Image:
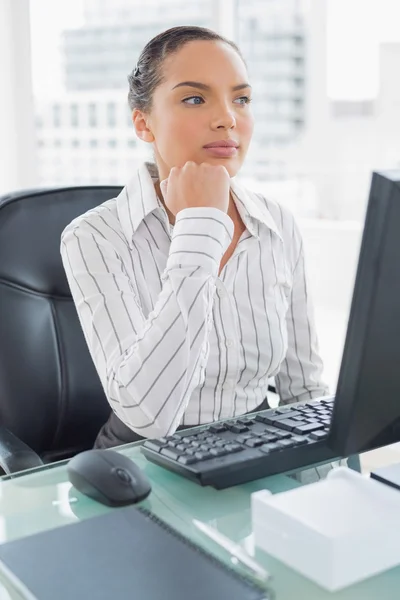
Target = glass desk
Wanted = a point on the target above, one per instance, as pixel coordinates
(43, 498)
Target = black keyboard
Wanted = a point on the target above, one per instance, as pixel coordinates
(245, 448)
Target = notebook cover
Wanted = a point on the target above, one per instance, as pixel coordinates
(125, 554)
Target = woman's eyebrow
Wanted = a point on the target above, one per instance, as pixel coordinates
(203, 86)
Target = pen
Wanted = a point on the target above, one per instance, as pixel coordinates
(234, 549)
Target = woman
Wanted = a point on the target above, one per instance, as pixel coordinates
(190, 289)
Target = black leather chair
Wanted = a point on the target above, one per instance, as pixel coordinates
(52, 404)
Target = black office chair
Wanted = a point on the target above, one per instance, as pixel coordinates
(52, 404)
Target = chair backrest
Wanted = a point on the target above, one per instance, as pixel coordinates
(50, 393)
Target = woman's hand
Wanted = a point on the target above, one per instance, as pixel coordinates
(196, 185)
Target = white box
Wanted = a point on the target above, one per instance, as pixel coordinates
(335, 532)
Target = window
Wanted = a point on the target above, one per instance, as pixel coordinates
(74, 115)
(92, 110)
(315, 131)
(318, 131)
(56, 115)
(111, 115)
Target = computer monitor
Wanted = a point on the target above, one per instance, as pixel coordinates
(366, 412)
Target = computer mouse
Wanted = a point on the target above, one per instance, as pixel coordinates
(108, 477)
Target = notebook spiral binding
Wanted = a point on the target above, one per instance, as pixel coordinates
(251, 584)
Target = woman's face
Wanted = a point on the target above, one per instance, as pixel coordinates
(203, 99)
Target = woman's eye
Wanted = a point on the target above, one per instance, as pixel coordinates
(196, 100)
(243, 100)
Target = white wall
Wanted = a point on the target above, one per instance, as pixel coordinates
(17, 129)
(331, 250)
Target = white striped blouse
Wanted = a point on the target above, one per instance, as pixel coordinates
(173, 342)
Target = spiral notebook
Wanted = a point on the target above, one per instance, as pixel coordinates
(125, 554)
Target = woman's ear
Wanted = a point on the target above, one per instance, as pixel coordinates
(140, 123)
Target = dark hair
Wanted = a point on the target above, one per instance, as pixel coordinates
(147, 73)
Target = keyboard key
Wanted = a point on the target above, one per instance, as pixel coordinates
(312, 414)
(155, 445)
(292, 414)
(205, 447)
(171, 453)
(261, 418)
(203, 455)
(283, 409)
(270, 429)
(218, 452)
(299, 440)
(217, 428)
(254, 442)
(242, 438)
(233, 448)
(319, 435)
(270, 437)
(277, 419)
(182, 447)
(282, 435)
(267, 448)
(286, 443)
(220, 443)
(187, 440)
(289, 424)
(187, 460)
(308, 428)
(238, 428)
(173, 443)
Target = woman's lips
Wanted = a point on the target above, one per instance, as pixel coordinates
(222, 151)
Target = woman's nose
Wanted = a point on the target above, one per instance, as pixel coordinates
(224, 119)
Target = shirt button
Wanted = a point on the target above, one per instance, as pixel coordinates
(230, 343)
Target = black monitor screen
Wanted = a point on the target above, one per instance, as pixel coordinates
(367, 406)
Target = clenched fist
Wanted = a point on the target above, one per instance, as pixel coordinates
(196, 185)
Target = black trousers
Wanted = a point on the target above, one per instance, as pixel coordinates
(115, 433)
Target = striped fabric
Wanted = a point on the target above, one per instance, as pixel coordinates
(173, 342)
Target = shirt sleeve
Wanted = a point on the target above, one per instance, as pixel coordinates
(148, 366)
(300, 376)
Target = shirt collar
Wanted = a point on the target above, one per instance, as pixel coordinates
(138, 199)
(252, 207)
